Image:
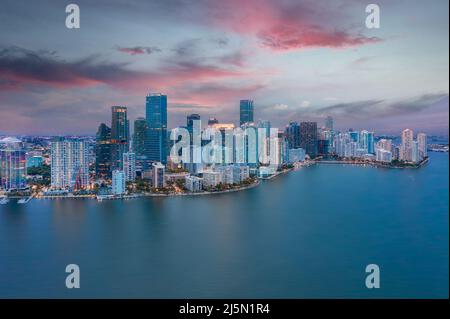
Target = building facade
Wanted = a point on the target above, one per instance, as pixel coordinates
(12, 169)
(246, 111)
(156, 116)
(308, 138)
(69, 164)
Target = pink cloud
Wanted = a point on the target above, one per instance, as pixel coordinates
(281, 25)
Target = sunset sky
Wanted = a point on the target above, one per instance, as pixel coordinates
(297, 59)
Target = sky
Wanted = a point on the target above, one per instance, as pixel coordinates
(299, 60)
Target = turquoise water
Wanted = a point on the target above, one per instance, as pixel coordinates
(306, 234)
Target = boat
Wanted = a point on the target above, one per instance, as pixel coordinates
(4, 201)
(24, 200)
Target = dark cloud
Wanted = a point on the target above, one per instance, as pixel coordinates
(381, 108)
(138, 50)
(21, 67)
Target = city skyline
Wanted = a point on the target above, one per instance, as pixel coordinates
(298, 60)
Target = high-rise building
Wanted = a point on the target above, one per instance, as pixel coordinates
(193, 183)
(370, 143)
(308, 137)
(329, 123)
(422, 141)
(70, 164)
(158, 178)
(129, 166)
(156, 115)
(415, 152)
(246, 111)
(293, 135)
(383, 155)
(190, 121)
(139, 135)
(118, 182)
(211, 178)
(103, 151)
(194, 150)
(212, 121)
(407, 144)
(120, 134)
(384, 144)
(13, 167)
(354, 135)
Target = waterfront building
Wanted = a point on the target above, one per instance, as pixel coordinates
(415, 157)
(211, 178)
(69, 164)
(139, 135)
(266, 171)
(383, 155)
(158, 176)
(230, 174)
(193, 120)
(156, 115)
(406, 146)
(370, 143)
(193, 183)
(244, 172)
(120, 133)
(422, 140)
(293, 135)
(13, 166)
(129, 166)
(118, 182)
(308, 138)
(296, 155)
(396, 153)
(323, 146)
(246, 111)
(103, 151)
(35, 161)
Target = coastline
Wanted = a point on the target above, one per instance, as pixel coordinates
(297, 166)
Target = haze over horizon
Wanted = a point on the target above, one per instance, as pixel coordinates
(298, 60)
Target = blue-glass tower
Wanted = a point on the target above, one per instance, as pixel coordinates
(156, 116)
(246, 111)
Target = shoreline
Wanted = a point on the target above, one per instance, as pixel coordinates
(203, 193)
(373, 164)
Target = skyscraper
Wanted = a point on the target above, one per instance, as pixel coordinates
(129, 166)
(190, 121)
(329, 123)
(103, 151)
(293, 135)
(212, 121)
(156, 115)
(308, 137)
(422, 141)
(140, 132)
(246, 111)
(13, 167)
(407, 144)
(70, 164)
(120, 133)
(415, 152)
